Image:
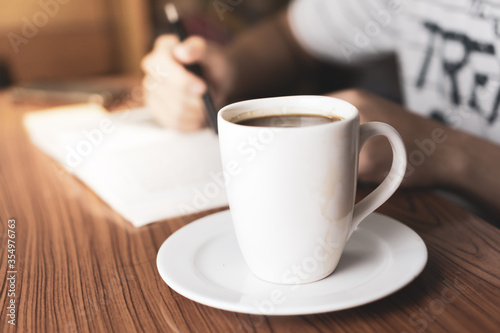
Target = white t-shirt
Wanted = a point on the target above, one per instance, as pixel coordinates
(448, 51)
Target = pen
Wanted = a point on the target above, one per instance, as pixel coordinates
(178, 28)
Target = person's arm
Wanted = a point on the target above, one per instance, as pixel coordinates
(476, 173)
(267, 58)
(438, 156)
(258, 62)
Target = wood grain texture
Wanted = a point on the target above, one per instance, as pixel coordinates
(83, 268)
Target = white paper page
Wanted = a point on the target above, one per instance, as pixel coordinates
(145, 172)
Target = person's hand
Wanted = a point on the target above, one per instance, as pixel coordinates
(172, 93)
(425, 141)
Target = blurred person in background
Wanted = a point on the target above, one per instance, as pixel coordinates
(449, 70)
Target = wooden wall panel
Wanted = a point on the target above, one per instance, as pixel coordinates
(60, 53)
(72, 38)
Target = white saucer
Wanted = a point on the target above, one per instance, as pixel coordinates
(202, 262)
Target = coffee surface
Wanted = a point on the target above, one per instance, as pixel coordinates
(289, 120)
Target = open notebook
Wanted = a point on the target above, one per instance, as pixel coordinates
(145, 172)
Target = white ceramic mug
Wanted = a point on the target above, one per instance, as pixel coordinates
(291, 191)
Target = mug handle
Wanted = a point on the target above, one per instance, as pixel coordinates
(390, 184)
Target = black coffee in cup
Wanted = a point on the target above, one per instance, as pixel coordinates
(289, 120)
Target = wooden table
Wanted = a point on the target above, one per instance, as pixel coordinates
(82, 268)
